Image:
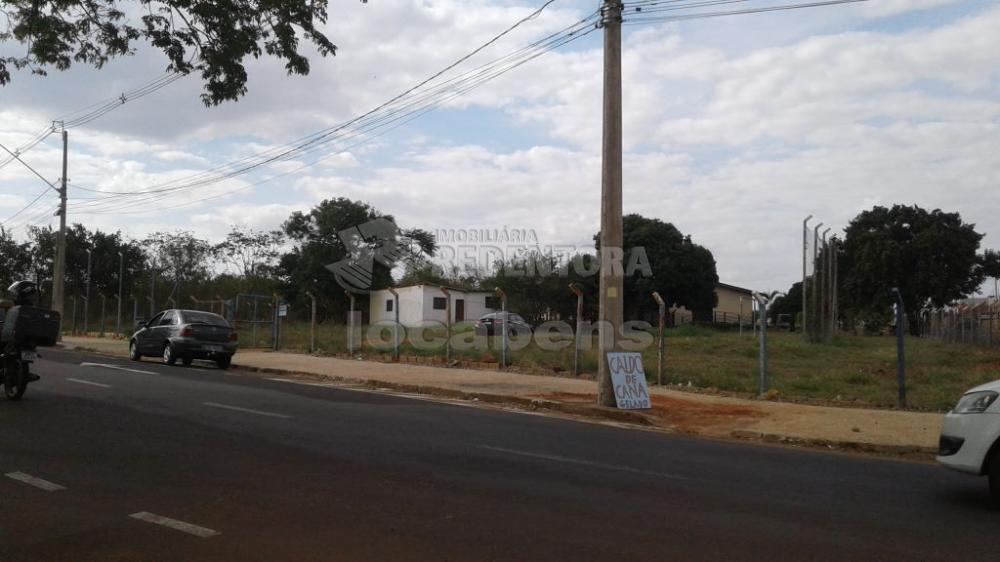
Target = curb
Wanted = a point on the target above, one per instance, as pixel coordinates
(597, 412)
(901, 451)
(912, 452)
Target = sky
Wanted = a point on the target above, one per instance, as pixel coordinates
(735, 128)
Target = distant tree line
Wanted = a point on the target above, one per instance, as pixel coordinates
(176, 268)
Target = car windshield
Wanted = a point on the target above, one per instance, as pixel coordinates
(195, 317)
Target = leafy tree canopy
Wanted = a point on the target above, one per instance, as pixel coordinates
(683, 272)
(931, 256)
(212, 37)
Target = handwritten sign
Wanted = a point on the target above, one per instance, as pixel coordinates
(629, 380)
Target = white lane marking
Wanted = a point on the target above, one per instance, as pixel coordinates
(36, 482)
(81, 381)
(117, 368)
(188, 528)
(584, 462)
(245, 410)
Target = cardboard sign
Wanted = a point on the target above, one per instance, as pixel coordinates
(629, 380)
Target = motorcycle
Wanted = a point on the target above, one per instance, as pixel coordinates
(24, 328)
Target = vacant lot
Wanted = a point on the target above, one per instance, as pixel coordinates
(854, 370)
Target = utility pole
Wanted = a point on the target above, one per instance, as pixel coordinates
(59, 267)
(805, 250)
(610, 297)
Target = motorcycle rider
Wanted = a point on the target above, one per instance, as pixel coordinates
(25, 293)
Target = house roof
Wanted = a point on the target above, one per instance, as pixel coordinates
(450, 288)
(733, 288)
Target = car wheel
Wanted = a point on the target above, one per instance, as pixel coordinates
(187, 361)
(133, 351)
(994, 475)
(224, 362)
(168, 355)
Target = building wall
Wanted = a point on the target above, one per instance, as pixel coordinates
(416, 305)
(410, 306)
(728, 307)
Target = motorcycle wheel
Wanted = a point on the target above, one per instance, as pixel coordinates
(15, 380)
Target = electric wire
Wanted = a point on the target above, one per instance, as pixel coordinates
(378, 117)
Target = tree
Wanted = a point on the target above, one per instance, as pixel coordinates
(252, 254)
(15, 260)
(683, 273)
(930, 256)
(790, 304)
(991, 263)
(317, 242)
(212, 37)
(181, 256)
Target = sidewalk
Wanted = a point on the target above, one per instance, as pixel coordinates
(883, 431)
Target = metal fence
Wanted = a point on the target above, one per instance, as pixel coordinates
(977, 324)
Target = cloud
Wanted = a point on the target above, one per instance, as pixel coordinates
(733, 132)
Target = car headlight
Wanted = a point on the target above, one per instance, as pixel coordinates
(975, 402)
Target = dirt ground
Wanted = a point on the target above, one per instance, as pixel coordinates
(685, 415)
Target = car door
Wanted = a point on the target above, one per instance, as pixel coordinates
(145, 336)
(163, 331)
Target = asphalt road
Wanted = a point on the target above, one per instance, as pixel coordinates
(245, 468)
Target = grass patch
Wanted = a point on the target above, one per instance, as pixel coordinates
(859, 370)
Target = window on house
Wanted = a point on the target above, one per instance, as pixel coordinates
(493, 303)
(388, 306)
(440, 303)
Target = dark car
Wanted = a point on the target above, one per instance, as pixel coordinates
(487, 325)
(185, 335)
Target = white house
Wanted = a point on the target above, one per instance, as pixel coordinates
(423, 303)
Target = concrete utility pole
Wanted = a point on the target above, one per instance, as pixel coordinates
(611, 283)
(59, 267)
(805, 273)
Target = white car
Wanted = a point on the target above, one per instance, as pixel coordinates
(970, 436)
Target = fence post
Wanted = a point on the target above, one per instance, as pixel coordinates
(447, 325)
(350, 323)
(312, 323)
(741, 316)
(900, 350)
(503, 309)
(104, 302)
(575, 288)
(659, 350)
(761, 301)
(395, 324)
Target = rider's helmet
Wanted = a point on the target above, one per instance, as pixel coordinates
(24, 293)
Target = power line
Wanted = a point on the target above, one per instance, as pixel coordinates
(640, 19)
(97, 110)
(383, 114)
(26, 207)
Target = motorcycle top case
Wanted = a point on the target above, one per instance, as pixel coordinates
(30, 326)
